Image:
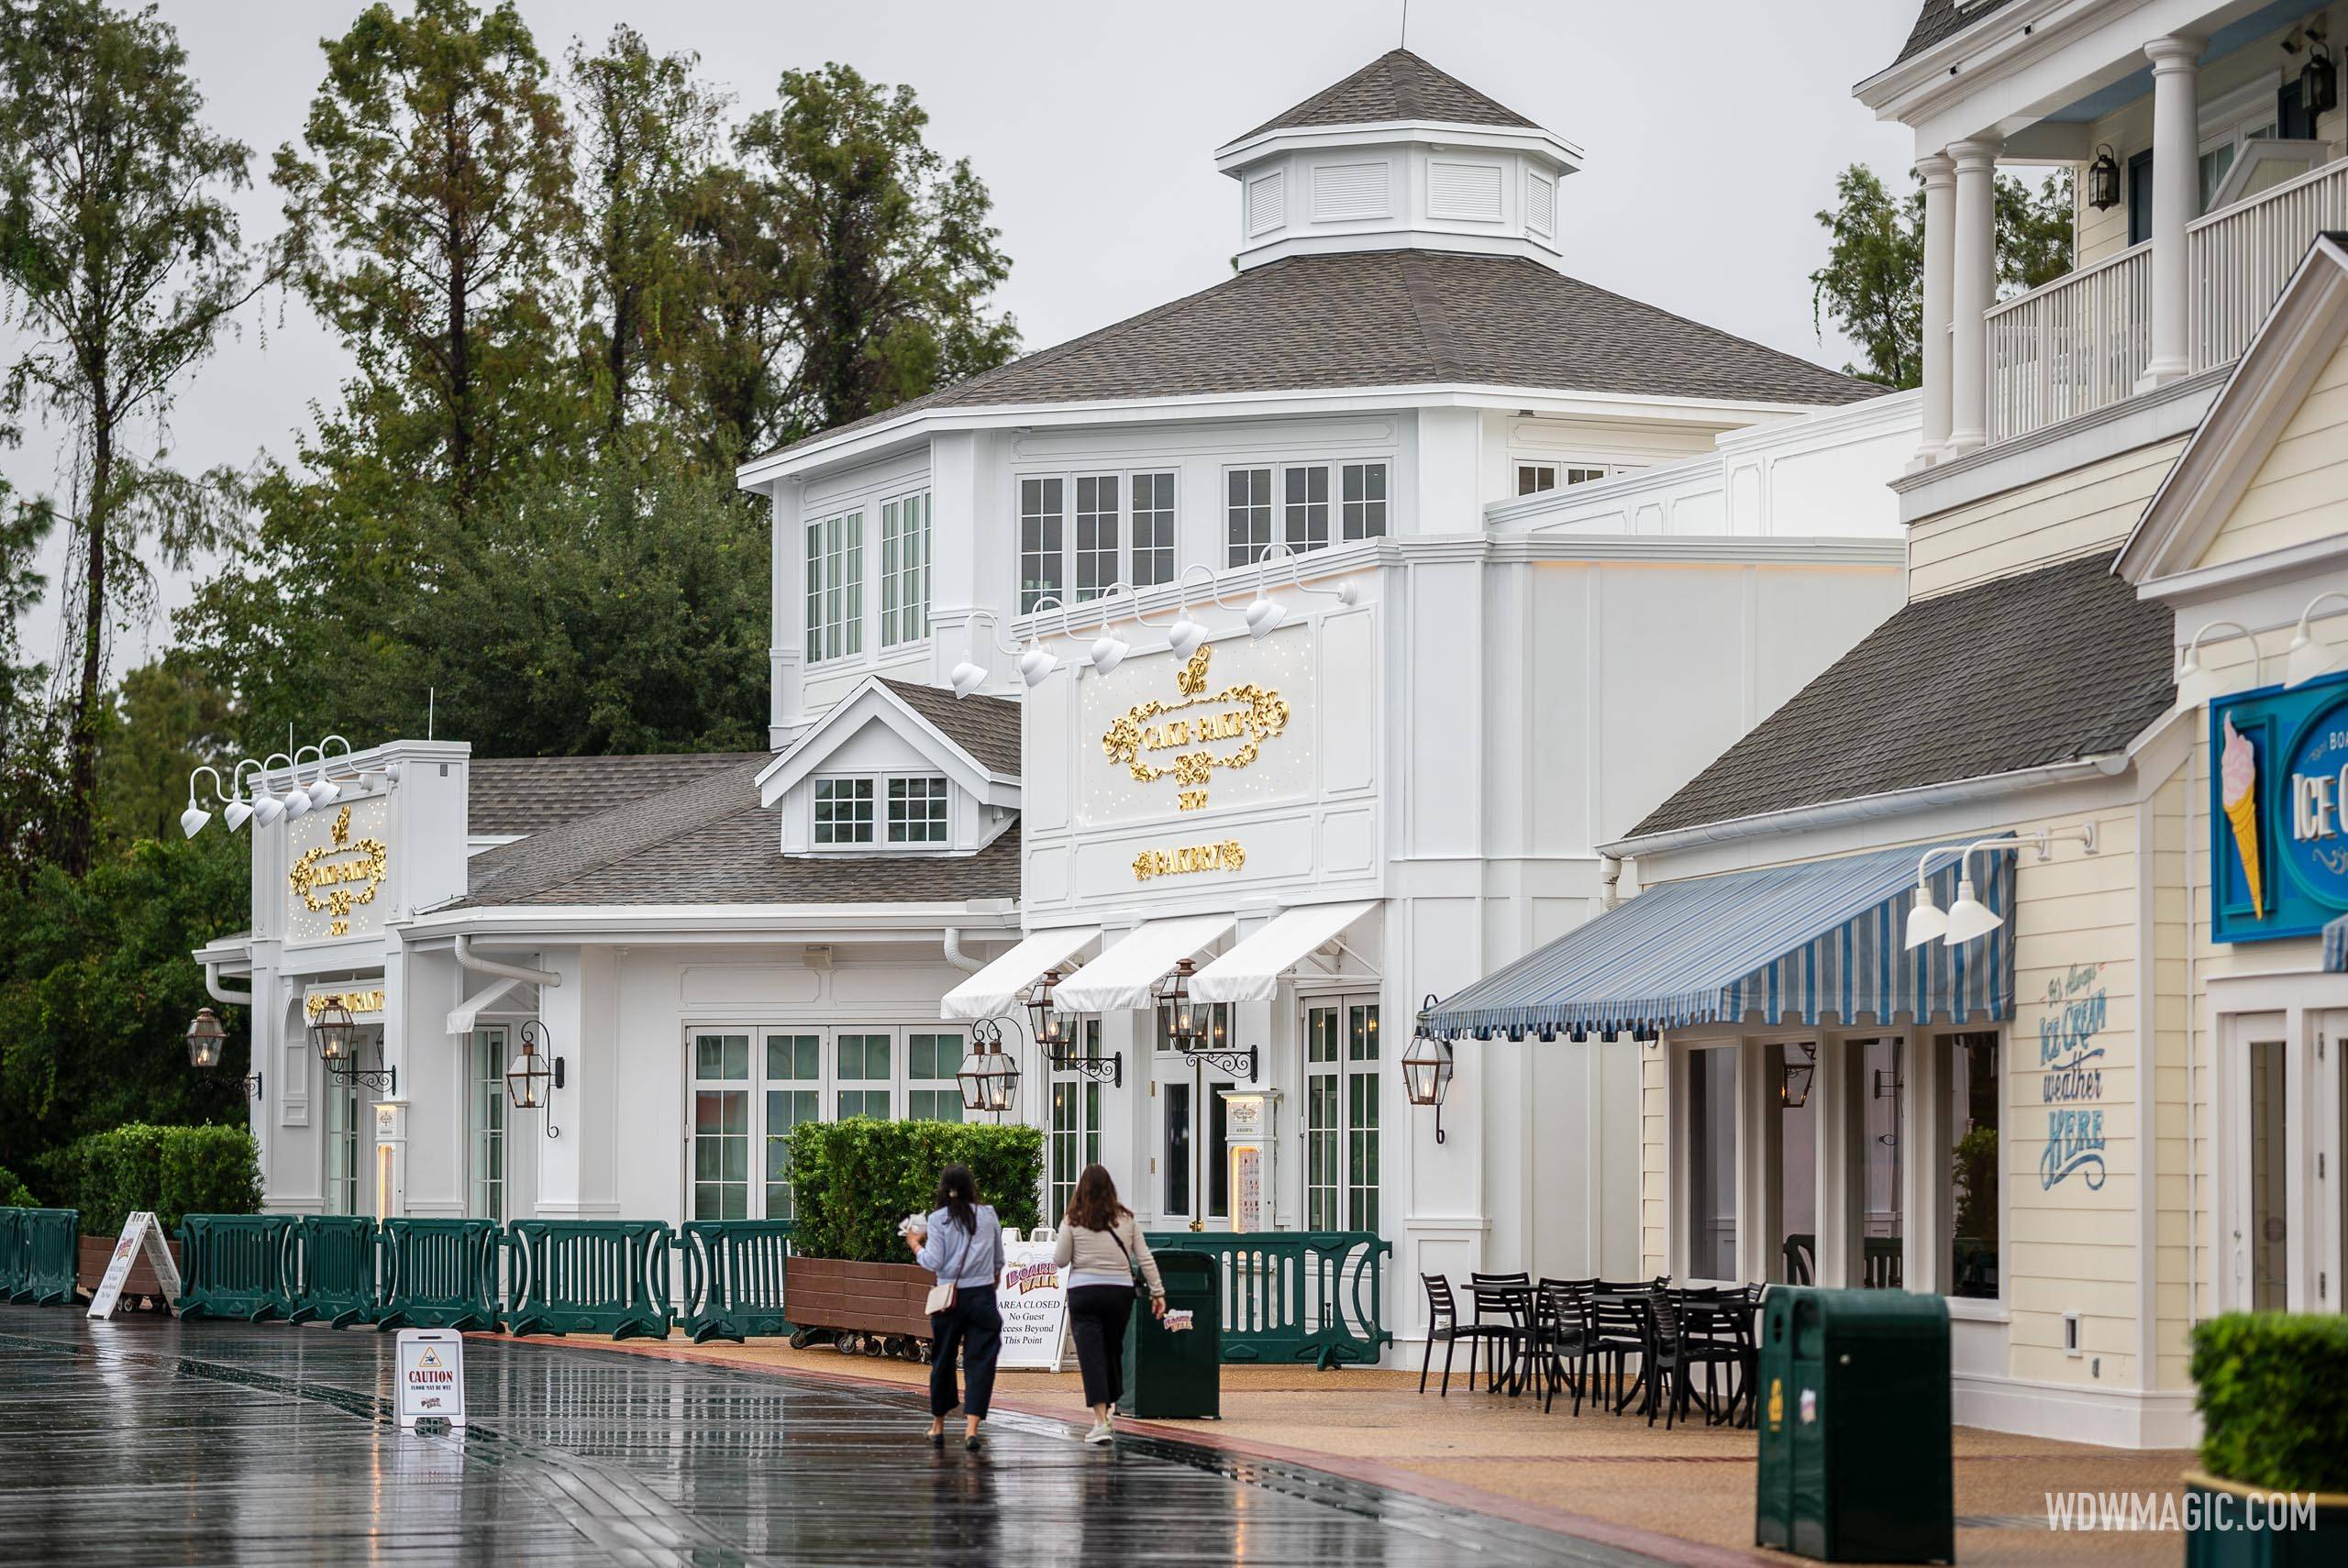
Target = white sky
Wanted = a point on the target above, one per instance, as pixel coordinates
(1713, 130)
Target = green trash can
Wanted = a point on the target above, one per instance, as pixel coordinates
(1170, 1374)
(1855, 1457)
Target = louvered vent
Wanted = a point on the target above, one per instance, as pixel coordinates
(1464, 190)
(1540, 204)
(1349, 191)
(1267, 202)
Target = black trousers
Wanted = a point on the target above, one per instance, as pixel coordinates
(974, 1327)
(1098, 1314)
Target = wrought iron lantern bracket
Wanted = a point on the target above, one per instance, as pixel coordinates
(1233, 1061)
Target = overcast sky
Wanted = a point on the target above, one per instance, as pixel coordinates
(1712, 130)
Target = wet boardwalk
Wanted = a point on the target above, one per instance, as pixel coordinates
(146, 1441)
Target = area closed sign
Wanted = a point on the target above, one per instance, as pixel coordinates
(431, 1375)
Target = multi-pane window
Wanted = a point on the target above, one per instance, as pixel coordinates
(843, 810)
(1532, 478)
(1583, 476)
(1304, 509)
(1247, 514)
(721, 1126)
(1042, 503)
(1073, 1140)
(1096, 535)
(485, 1123)
(794, 1069)
(1341, 1117)
(904, 570)
(1178, 1147)
(1363, 487)
(1362, 1084)
(835, 588)
(1152, 529)
(916, 811)
(861, 1064)
(931, 1061)
(342, 1145)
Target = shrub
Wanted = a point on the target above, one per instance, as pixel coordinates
(15, 1194)
(208, 1170)
(174, 1171)
(854, 1180)
(2273, 1390)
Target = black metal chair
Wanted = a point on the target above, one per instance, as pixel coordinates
(1443, 1324)
(1708, 1329)
(1616, 1330)
(1880, 1267)
(1799, 1250)
(1561, 1328)
(1505, 1304)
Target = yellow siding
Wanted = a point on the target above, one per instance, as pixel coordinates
(2081, 512)
(2300, 491)
(1651, 1157)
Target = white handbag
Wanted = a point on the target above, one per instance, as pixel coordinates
(940, 1299)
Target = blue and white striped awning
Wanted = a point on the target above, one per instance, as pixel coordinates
(2335, 946)
(1820, 941)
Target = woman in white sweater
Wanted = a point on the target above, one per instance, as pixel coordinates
(1101, 1246)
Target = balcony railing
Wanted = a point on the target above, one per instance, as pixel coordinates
(2082, 342)
(2071, 346)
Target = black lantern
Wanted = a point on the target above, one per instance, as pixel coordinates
(204, 1038)
(2318, 84)
(1051, 1027)
(1793, 1077)
(988, 1078)
(1186, 1021)
(1427, 1066)
(2103, 181)
(333, 1032)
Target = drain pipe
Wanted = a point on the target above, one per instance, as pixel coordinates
(1610, 877)
(220, 993)
(465, 960)
(956, 956)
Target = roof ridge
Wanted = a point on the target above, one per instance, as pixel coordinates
(1434, 317)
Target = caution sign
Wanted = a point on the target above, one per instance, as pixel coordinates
(431, 1377)
(140, 1233)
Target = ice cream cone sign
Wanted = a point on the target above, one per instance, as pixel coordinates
(2238, 792)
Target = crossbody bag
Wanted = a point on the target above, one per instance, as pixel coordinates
(1141, 1280)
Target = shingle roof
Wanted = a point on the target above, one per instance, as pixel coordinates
(1397, 85)
(986, 727)
(710, 841)
(1398, 318)
(1945, 19)
(2056, 665)
(510, 796)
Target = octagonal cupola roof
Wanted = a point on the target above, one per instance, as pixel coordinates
(1398, 156)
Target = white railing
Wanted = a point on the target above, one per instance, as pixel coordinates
(2242, 255)
(2071, 346)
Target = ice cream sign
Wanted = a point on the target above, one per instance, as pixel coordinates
(2279, 810)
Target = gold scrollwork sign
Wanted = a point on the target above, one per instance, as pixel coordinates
(1228, 855)
(359, 1004)
(334, 879)
(1189, 728)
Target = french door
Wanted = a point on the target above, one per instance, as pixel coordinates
(2287, 1223)
(1344, 1091)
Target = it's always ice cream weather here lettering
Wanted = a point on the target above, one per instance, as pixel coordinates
(2076, 1009)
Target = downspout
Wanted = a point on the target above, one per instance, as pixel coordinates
(465, 960)
(1610, 877)
(956, 956)
(219, 993)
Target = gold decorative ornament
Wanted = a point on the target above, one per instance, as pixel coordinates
(1228, 855)
(1190, 726)
(335, 888)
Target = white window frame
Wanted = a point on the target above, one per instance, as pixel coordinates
(2226, 123)
(905, 565)
(1074, 1113)
(1049, 546)
(1078, 566)
(869, 799)
(1336, 527)
(1093, 565)
(489, 1124)
(936, 790)
(1169, 551)
(834, 588)
(1347, 1075)
(881, 785)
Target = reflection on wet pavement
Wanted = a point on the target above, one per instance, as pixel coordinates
(146, 1441)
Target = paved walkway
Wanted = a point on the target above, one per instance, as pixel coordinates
(148, 1440)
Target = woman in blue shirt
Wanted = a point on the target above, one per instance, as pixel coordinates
(961, 1243)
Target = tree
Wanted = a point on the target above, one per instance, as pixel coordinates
(165, 720)
(429, 218)
(1872, 287)
(121, 256)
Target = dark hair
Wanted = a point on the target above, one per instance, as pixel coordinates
(957, 1194)
(1095, 1205)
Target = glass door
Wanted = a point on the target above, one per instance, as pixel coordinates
(1344, 1106)
(485, 1123)
(1073, 1138)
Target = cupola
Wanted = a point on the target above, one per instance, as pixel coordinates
(1399, 155)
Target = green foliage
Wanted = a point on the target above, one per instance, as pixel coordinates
(2035, 227)
(854, 1180)
(174, 1171)
(1973, 1173)
(2273, 1392)
(164, 721)
(14, 1193)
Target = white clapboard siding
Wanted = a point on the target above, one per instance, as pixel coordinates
(2300, 491)
(2078, 511)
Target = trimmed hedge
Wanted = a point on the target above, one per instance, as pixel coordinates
(2273, 1391)
(852, 1181)
(175, 1171)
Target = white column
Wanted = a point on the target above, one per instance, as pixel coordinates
(1940, 261)
(2176, 198)
(1973, 279)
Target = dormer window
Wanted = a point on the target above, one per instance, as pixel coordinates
(917, 811)
(843, 810)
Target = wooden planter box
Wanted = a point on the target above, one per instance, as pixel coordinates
(98, 1251)
(865, 1298)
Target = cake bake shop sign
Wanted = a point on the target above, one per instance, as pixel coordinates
(1201, 729)
(336, 874)
(1165, 741)
(2278, 810)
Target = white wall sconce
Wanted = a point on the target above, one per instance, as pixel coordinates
(1967, 917)
(2195, 685)
(2308, 658)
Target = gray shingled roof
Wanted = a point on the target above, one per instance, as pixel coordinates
(510, 796)
(1945, 19)
(986, 727)
(2053, 666)
(1398, 318)
(710, 841)
(1397, 85)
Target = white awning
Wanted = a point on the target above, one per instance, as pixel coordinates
(995, 990)
(1122, 977)
(460, 1021)
(1252, 970)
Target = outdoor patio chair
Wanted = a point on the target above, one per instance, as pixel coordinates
(1616, 1331)
(1706, 1331)
(1561, 1328)
(1444, 1325)
(1504, 1303)
(1799, 1250)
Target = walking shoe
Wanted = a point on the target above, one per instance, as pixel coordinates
(1100, 1432)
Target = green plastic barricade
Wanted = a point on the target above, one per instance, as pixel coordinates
(12, 1261)
(438, 1274)
(334, 1277)
(48, 1256)
(234, 1265)
(734, 1271)
(1316, 1296)
(589, 1276)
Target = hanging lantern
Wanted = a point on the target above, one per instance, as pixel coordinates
(2103, 181)
(1186, 1019)
(988, 1078)
(334, 1032)
(530, 1073)
(204, 1038)
(1052, 1027)
(1794, 1078)
(2318, 84)
(1427, 1066)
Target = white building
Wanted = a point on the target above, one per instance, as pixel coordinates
(1545, 550)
